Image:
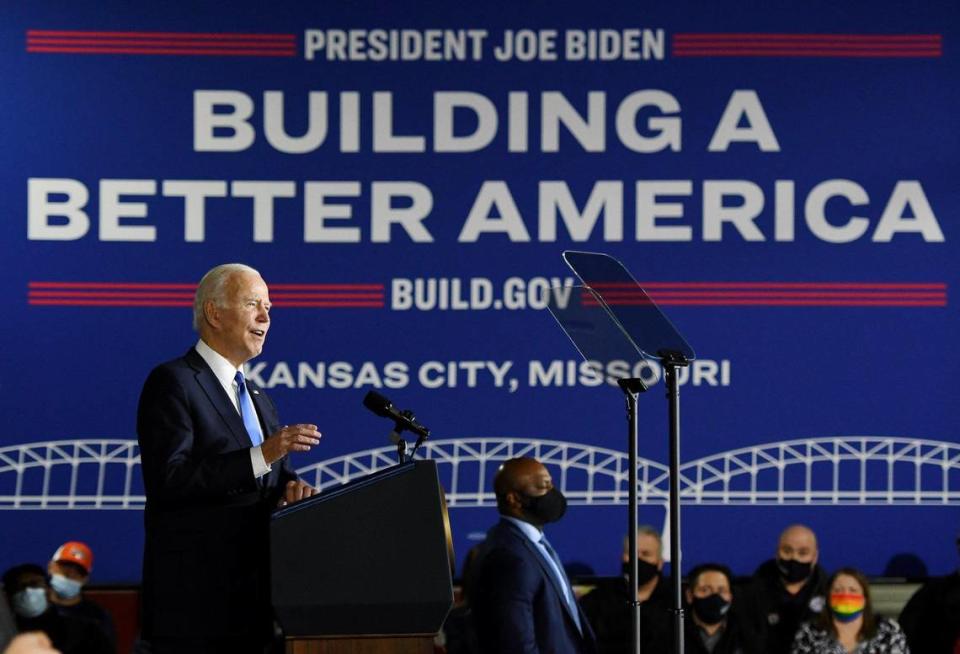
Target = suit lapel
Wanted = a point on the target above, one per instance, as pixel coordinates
(219, 399)
(547, 571)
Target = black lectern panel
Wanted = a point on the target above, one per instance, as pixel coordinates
(368, 558)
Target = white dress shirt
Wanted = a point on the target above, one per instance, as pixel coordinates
(225, 372)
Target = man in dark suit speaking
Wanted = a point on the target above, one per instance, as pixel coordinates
(214, 460)
(523, 601)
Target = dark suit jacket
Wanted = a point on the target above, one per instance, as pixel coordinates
(518, 603)
(206, 555)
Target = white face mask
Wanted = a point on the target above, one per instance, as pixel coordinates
(64, 586)
(30, 602)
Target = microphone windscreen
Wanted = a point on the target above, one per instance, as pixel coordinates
(377, 403)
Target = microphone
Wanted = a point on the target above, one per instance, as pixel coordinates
(404, 420)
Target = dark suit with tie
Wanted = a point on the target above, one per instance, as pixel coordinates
(206, 556)
(519, 604)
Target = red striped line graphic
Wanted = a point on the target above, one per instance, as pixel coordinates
(152, 294)
(372, 295)
(824, 294)
(807, 45)
(162, 43)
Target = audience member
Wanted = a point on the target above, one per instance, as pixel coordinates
(850, 624)
(931, 618)
(784, 592)
(26, 587)
(523, 600)
(69, 571)
(711, 627)
(608, 606)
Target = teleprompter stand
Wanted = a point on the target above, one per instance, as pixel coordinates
(611, 319)
(364, 568)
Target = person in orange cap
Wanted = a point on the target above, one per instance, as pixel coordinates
(69, 571)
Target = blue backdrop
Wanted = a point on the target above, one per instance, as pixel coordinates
(781, 177)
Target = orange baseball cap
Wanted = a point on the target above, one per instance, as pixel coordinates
(75, 552)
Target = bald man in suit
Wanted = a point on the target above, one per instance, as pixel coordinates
(523, 602)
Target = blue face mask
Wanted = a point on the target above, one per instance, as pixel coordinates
(65, 587)
(30, 602)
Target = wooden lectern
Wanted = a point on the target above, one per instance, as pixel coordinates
(365, 568)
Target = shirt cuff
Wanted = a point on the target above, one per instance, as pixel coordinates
(260, 467)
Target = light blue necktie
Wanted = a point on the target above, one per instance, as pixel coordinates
(247, 412)
(564, 582)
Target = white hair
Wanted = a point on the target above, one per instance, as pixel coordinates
(211, 288)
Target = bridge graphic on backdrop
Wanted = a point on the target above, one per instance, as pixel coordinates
(849, 470)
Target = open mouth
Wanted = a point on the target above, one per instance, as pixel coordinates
(258, 332)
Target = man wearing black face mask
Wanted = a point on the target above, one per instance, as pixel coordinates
(785, 592)
(608, 606)
(523, 601)
(712, 627)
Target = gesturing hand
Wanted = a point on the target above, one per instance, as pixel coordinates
(289, 438)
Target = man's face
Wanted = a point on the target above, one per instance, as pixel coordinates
(68, 570)
(710, 582)
(798, 545)
(536, 481)
(648, 549)
(28, 580)
(240, 325)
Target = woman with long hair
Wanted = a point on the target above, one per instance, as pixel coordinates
(849, 625)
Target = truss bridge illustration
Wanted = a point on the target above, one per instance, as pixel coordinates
(840, 470)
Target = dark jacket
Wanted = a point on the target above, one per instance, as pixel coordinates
(769, 615)
(205, 559)
(89, 610)
(518, 604)
(732, 639)
(608, 609)
(931, 618)
(69, 634)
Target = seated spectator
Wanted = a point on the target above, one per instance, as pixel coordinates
(711, 627)
(70, 570)
(784, 592)
(931, 618)
(26, 588)
(849, 625)
(608, 606)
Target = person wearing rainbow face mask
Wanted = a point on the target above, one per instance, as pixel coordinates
(849, 625)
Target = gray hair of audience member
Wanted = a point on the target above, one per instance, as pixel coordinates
(643, 530)
(211, 287)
